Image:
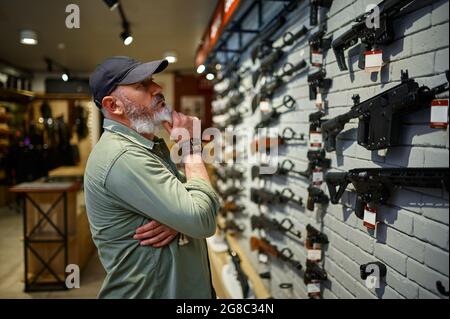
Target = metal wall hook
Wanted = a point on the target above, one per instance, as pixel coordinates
(440, 287)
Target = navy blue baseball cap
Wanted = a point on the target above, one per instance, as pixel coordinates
(120, 70)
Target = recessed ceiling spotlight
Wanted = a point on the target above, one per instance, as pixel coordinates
(112, 4)
(28, 37)
(201, 68)
(171, 57)
(126, 37)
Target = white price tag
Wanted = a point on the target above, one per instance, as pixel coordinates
(317, 177)
(262, 258)
(370, 217)
(314, 254)
(315, 140)
(319, 101)
(265, 106)
(439, 114)
(374, 61)
(313, 288)
(317, 58)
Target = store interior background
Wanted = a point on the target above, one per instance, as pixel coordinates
(31, 77)
(48, 127)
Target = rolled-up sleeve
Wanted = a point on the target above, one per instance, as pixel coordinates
(147, 185)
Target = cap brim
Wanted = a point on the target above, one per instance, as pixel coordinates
(144, 71)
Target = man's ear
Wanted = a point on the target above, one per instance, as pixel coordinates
(112, 105)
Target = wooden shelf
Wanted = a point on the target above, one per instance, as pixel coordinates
(62, 96)
(218, 260)
(16, 95)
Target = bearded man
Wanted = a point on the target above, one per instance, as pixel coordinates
(148, 221)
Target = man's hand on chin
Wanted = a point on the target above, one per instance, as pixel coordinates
(155, 234)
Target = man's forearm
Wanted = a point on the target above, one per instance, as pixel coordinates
(195, 168)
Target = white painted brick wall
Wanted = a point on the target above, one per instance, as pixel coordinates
(412, 239)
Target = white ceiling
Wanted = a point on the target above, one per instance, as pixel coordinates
(157, 26)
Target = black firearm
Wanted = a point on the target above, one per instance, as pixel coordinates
(264, 246)
(315, 121)
(287, 135)
(316, 196)
(267, 224)
(234, 83)
(268, 63)
(374, 186)
(231, 206)
(314, 236)
(231, 68)
(235, 100)
(265, 44)
(231, 191)
(274, 115)
(226, 173)
(241, 275)
(381, 268)
(370, 33)
(315, 159)
(379, 117)
(314, 9)
(269, 88)
(318, 44)
(318, 83)
(314, 272)
(232, 227)
(263, 196)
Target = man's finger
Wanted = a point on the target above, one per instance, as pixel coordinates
(175, 118)
(156, 239)
(149, 226)
(151, 233)
(165, 242)
(167, 126)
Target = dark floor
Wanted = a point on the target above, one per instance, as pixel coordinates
(12, 267)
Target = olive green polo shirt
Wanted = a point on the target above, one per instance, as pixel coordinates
(128, 182)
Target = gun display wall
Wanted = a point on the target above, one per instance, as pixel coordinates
(347, 107)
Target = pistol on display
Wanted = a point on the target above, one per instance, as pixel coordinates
(316, 196)
(314, 236)
(318, 83)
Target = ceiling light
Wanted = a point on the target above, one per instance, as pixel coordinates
(65, 76)
(28, 37)
(210, 76)
(201, 68)
(218, 66)
(112, 4)
(171, 57)
(126, 37)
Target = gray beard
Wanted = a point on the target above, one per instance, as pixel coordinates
(142, 122)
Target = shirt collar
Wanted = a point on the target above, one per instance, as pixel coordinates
(128, 133)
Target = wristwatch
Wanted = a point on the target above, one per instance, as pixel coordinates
(195, 145)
